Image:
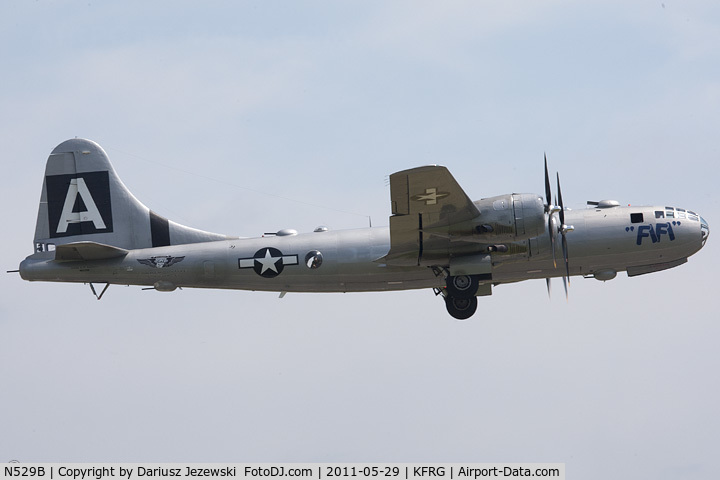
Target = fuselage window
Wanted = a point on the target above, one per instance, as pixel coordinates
(313, 259)
(636, 217)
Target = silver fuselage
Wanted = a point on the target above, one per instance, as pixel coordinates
(605, 241)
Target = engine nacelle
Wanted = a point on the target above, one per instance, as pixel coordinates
(511, 217)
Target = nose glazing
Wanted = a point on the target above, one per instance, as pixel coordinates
(704, 230)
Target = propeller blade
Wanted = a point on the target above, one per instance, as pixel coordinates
(548, 195)
(563, 230)
(547, 282)
(560, 202)
(566, 278)
(565, 255)
(551, 231)
(549, 210)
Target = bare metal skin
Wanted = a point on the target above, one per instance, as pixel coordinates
(91, 229)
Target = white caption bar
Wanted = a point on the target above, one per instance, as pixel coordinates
(267, 471)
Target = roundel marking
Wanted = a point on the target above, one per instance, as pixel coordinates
(268, 262)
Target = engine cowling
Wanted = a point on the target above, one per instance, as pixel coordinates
(511, 217)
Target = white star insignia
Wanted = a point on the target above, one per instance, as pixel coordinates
(268, 262)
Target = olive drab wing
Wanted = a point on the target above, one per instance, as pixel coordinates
(429, 208)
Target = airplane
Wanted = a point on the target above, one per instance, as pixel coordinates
(90, 229)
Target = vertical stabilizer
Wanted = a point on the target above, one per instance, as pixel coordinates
(83, 199)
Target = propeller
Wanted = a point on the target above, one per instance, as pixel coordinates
(550, 209)
(562, 229)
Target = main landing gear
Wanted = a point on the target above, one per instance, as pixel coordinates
(461, 308)
(462, 286)
(460, 299)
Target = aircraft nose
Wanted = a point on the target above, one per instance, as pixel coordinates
(704, 230)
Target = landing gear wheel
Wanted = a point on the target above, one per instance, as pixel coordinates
(462, 286)
(461, 308)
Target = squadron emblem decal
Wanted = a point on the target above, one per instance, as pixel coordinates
(160, 262)
(268, 262)
(430, 197)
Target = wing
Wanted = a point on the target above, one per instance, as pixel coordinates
(429, 207)
(430, 190)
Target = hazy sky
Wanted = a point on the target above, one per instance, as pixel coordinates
(201, 106)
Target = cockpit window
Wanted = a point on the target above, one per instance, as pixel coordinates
(659, 214)
(636, 217)
(672, 212)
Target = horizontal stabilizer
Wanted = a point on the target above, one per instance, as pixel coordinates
(70, 252)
